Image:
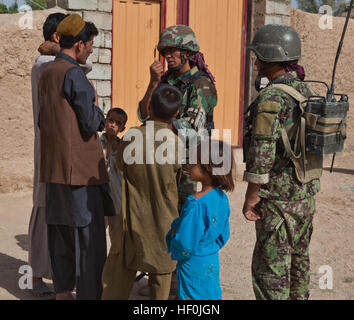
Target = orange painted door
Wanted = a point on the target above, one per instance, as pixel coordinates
(136, 29)
(218, 27)
(171, 12)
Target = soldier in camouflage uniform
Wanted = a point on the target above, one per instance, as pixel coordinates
(282, 207)
(188, 72)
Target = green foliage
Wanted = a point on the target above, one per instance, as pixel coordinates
(308, 5)
(3, 8)
(312, 6)
(42, 3)
(13, 8)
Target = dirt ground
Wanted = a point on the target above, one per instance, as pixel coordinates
(332, 242)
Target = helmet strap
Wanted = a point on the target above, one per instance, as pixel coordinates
(261, 73)
(258, 80)
(184, 59)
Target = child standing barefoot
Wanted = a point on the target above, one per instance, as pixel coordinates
(203, 229)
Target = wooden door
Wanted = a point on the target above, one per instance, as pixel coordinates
(136, 29)
(218, 27)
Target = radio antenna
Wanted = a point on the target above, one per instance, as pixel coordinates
(331, 92)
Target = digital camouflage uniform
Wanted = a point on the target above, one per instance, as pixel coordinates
(280, 264)
(199, 96)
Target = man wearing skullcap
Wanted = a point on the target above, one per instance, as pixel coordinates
(73, 166)
(38, 255)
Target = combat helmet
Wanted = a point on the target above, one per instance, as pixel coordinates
(276, 43)
(178, 36)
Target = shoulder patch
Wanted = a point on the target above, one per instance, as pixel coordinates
(269, 106)
(264, 124)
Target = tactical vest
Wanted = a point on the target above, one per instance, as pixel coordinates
(185, 85)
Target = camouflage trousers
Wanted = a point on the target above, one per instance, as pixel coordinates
(186, 187)
(280, 264)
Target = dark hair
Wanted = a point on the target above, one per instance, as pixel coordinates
(86, 34)
(165, 101)
(118, 111)
(225, 180)
(51, 23)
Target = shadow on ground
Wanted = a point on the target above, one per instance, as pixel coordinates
(22, 241)
(10, 276)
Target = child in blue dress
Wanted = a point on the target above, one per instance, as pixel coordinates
(202, 228)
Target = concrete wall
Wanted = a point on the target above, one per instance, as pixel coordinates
(278, 12)
(259, 13)
(100, 13)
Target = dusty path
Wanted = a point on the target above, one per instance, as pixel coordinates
(332, 242)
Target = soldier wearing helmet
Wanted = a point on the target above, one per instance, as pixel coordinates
(281, 206)
(189, 73)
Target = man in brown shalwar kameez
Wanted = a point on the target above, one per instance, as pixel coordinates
(73, 166)
(149, 204)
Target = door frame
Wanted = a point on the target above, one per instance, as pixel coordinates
(183, 12)
(243, 72)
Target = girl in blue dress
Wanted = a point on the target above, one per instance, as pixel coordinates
(202, 228)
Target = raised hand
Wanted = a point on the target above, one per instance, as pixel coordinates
(156, 71)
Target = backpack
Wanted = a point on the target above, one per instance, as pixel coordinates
(308, 165)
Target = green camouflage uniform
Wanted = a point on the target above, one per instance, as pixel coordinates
(199, 96)
(280, 265)
(192, 115)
